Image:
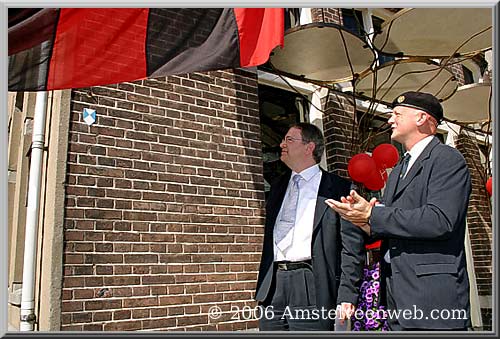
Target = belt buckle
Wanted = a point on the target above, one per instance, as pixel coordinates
(282, 266)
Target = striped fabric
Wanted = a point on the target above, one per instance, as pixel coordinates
(80, 47)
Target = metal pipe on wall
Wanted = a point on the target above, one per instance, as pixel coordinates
(28, 316)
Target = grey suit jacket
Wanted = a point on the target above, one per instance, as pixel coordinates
(423, 226)
(337, 246)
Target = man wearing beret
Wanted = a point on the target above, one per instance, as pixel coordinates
(421, 222)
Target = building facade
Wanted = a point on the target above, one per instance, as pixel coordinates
(154, 214)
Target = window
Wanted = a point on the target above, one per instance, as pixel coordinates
(20, 100)
(468, 75)
(376, 128)
(353, 21)
(292, 17)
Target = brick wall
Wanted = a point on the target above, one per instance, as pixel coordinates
(479, 215)
(479, 221)
(328, 15)
(338, 129)
(165, 204)
(458, 72)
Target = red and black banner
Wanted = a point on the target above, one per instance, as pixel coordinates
(81, 47)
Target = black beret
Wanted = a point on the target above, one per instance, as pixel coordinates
(423, 101)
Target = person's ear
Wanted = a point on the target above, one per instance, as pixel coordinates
(311, 146)
(421, 118)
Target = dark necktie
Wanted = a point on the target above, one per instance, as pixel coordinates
(404, 165)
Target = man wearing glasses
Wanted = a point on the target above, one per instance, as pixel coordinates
(312, 260)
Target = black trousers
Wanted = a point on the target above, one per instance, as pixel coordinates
(291, 303)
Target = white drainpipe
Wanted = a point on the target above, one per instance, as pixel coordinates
(28, 316)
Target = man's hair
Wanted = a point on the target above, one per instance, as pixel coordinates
(311, 133)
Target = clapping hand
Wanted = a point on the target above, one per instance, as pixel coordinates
(354, 208)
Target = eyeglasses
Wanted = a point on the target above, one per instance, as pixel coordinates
(290, 139)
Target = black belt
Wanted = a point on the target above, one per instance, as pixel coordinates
(293, 265)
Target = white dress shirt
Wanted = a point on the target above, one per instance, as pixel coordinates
(416, 150)
(302, 230)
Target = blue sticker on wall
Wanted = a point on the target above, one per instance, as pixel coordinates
(89, 116)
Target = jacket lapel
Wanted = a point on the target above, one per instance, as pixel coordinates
(391, 183)
(325, 190)
(276, 200)
(417, 166)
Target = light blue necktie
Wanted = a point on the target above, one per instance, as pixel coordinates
(285, 224)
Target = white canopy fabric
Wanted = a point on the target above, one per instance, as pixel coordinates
(396, 77)
(317, 52)
(436, 32)
(469, 104)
